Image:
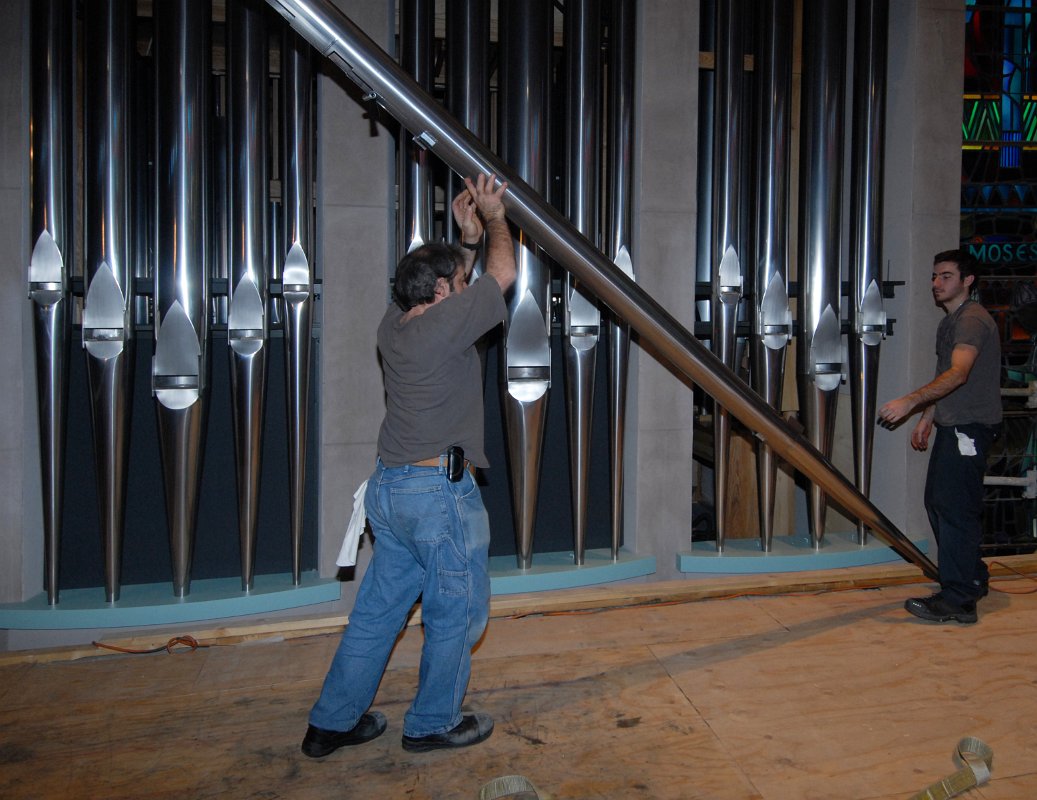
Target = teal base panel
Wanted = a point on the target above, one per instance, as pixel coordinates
(154, 603)
(557, 571)
(788, 554)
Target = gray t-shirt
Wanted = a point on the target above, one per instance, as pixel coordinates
(979, 398)
(433, 376)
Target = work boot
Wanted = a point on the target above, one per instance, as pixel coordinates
(938, 609)
(472, 729)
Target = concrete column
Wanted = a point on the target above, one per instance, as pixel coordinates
(354, 200)
(658, 503)
(21, 520)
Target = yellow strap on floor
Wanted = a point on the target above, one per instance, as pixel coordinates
(509, 787)
(976, 758)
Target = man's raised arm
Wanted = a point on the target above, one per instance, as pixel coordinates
(500, 249)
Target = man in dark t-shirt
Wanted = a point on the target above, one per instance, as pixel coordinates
(430, 527)
(963, 403)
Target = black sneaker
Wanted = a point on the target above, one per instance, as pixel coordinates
(937, 609)
(319, 742)
(472, 729)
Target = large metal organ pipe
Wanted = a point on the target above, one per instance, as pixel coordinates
(109, 263)
(525, 47)
(467, 88)
(297, 273)
(772, 317)
(819, 345)
(249, 196)
(582, 324)
(51, 234)
(620, 245)
(336, 37)
(414, 162)
(867, 317)
(728, 250)
(183, 255)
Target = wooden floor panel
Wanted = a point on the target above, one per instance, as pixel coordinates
(797, 697)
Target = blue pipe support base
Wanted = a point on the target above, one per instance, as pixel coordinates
(557, 571)
(154, 603)
(788, 554)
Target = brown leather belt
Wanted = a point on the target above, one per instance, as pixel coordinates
(436, 461)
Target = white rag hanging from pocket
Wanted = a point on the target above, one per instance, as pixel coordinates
(347, 555)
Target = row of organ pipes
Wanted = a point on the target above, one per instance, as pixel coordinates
(172, 235)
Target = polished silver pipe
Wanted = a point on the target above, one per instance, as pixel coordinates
(467, 83)
(819, 345)
(704, 165)
(109, 27)
(525, 47)
(582, 322)
(772, 317)
(183, 257)
(622, 23)
(728, 250)
(414, 162)
(298, 265)
(375, 72)
(249, 196)
(142, 86)
(50, 264)
(867, 317)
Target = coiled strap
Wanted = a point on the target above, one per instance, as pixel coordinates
(976, 759)
(509, 787)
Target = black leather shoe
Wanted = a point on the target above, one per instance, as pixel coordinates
(319, 742)
(472, 729)
(937, 609)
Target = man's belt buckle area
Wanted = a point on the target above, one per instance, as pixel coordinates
(441, 461)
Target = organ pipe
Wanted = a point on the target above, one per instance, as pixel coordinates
(819, 344)
(582, 323)
(183, 263)
(772, 317)
(109, 263)
(50, 263)
(867, 317)
(249, 198)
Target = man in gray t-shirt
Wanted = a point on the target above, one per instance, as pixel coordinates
(963, 403)
(431, 530)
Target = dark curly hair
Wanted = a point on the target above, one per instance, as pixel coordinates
(418, 271)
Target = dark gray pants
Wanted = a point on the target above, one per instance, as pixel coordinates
(954, 503)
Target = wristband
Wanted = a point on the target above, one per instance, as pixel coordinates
(468, 246)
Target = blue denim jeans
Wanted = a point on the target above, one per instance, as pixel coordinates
(432, 539)
(954, 503)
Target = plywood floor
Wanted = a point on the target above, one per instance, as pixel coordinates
(838, 695)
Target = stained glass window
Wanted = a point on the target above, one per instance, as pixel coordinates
(999, 227)
(999, 151)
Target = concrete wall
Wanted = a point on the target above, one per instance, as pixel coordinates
(21, 514)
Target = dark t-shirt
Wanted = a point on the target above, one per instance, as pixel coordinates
(433, 376)
(979, 398)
